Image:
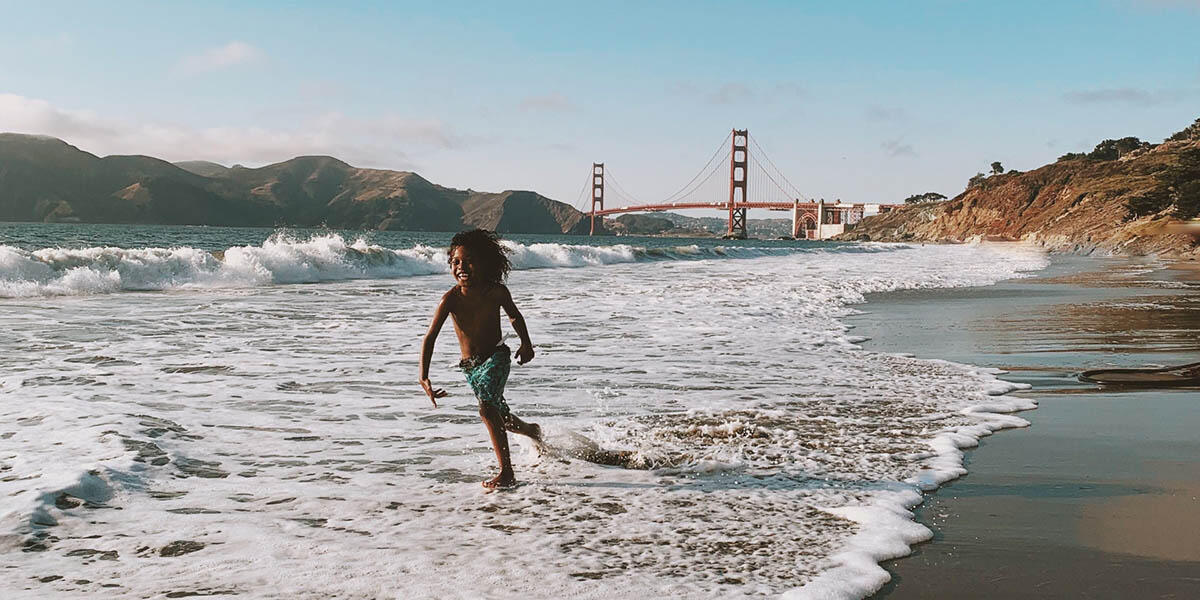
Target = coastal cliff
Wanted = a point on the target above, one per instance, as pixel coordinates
(45, 179)
(1125, 197)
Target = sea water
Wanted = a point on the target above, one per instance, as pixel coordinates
(235, 413)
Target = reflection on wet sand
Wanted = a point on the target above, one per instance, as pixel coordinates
(1161, 522)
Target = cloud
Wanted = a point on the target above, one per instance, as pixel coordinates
(222, 57)
(60, 42)
(737, 93)
(1126, 96)
(885, 113)
(26, 115)
(731, 93)
(1194, 4)
(381, 141)
(896, 148)
(727, 93)
(794, 90)
(553, 102)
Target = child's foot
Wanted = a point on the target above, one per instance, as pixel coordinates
(538, 443)
(501, 481)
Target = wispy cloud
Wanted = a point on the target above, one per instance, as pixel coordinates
(731, 93)
(885, 113)
(553, 102)
(1126, 96)
(28, 115)
(789, 89)
(897, 148)
(222, 57)
(382, 141)
(59, 42)
(1192, 4)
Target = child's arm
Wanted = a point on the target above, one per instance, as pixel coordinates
(525, 352)
(439, 317)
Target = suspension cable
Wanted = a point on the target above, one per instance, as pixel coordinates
(767, 174)
(580, 201)
(608, 178)
(711, 173)
(795, 189)
(702, 170)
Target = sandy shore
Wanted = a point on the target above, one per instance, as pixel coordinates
(1100, 496)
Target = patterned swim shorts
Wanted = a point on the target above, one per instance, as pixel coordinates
(487, 376)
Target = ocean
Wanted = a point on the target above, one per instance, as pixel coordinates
(193, 411)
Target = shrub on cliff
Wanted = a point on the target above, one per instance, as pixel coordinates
(1149, 203)
(1071, 156)
(1114, 149)
(1191, 132)
(1177, 186)
(1183, 179)
(926, 197)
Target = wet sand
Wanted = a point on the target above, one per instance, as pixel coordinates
(1100, 496)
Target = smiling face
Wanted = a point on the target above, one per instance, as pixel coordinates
(462, 266)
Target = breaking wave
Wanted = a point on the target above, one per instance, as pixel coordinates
(284, 259)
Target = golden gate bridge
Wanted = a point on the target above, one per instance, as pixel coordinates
(747, 174)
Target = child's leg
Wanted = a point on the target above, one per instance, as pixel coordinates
(516, 425)
(495, 426)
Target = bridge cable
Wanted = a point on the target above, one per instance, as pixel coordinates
(702, 170)
(767, 174)
(620, 190)
(708, 178)
(580, 201)
(795, 189)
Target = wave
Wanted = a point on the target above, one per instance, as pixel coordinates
(284, 259)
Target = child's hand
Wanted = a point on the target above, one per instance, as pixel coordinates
(433, 394)
(524, 354)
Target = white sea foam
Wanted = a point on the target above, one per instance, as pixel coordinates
(268, 441)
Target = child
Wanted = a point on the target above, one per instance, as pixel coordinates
(478, 264)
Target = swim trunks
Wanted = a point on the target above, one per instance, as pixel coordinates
(487, 376)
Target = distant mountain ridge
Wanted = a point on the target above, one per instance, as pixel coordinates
(47, 179)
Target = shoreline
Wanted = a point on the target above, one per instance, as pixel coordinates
(1100, 491)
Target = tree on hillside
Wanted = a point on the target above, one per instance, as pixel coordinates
(1071, 156)
(926, 197)
(1114, 149)
(1178, 188)
(975, 180)
(997, 168)
(1191, 132)
(1183, 184)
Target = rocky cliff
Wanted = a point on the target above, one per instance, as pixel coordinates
(1129, 202)
(46, 179)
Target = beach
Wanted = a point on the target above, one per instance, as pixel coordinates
(1100, 496)
(237, 415)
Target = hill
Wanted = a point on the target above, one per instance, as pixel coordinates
(203, 167)
(47, 179)
(1125, 197)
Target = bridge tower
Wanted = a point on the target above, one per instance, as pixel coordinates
(738, 160)
(597, 195)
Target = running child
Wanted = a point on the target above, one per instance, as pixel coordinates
(479, 266)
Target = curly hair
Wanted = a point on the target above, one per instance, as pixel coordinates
(486, 251)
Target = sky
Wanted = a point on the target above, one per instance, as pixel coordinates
(859, 101)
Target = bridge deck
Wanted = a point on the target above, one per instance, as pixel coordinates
(717, 205)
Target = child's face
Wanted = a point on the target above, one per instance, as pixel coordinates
(462, 267)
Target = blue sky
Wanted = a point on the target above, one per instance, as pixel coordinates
(863, 101)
